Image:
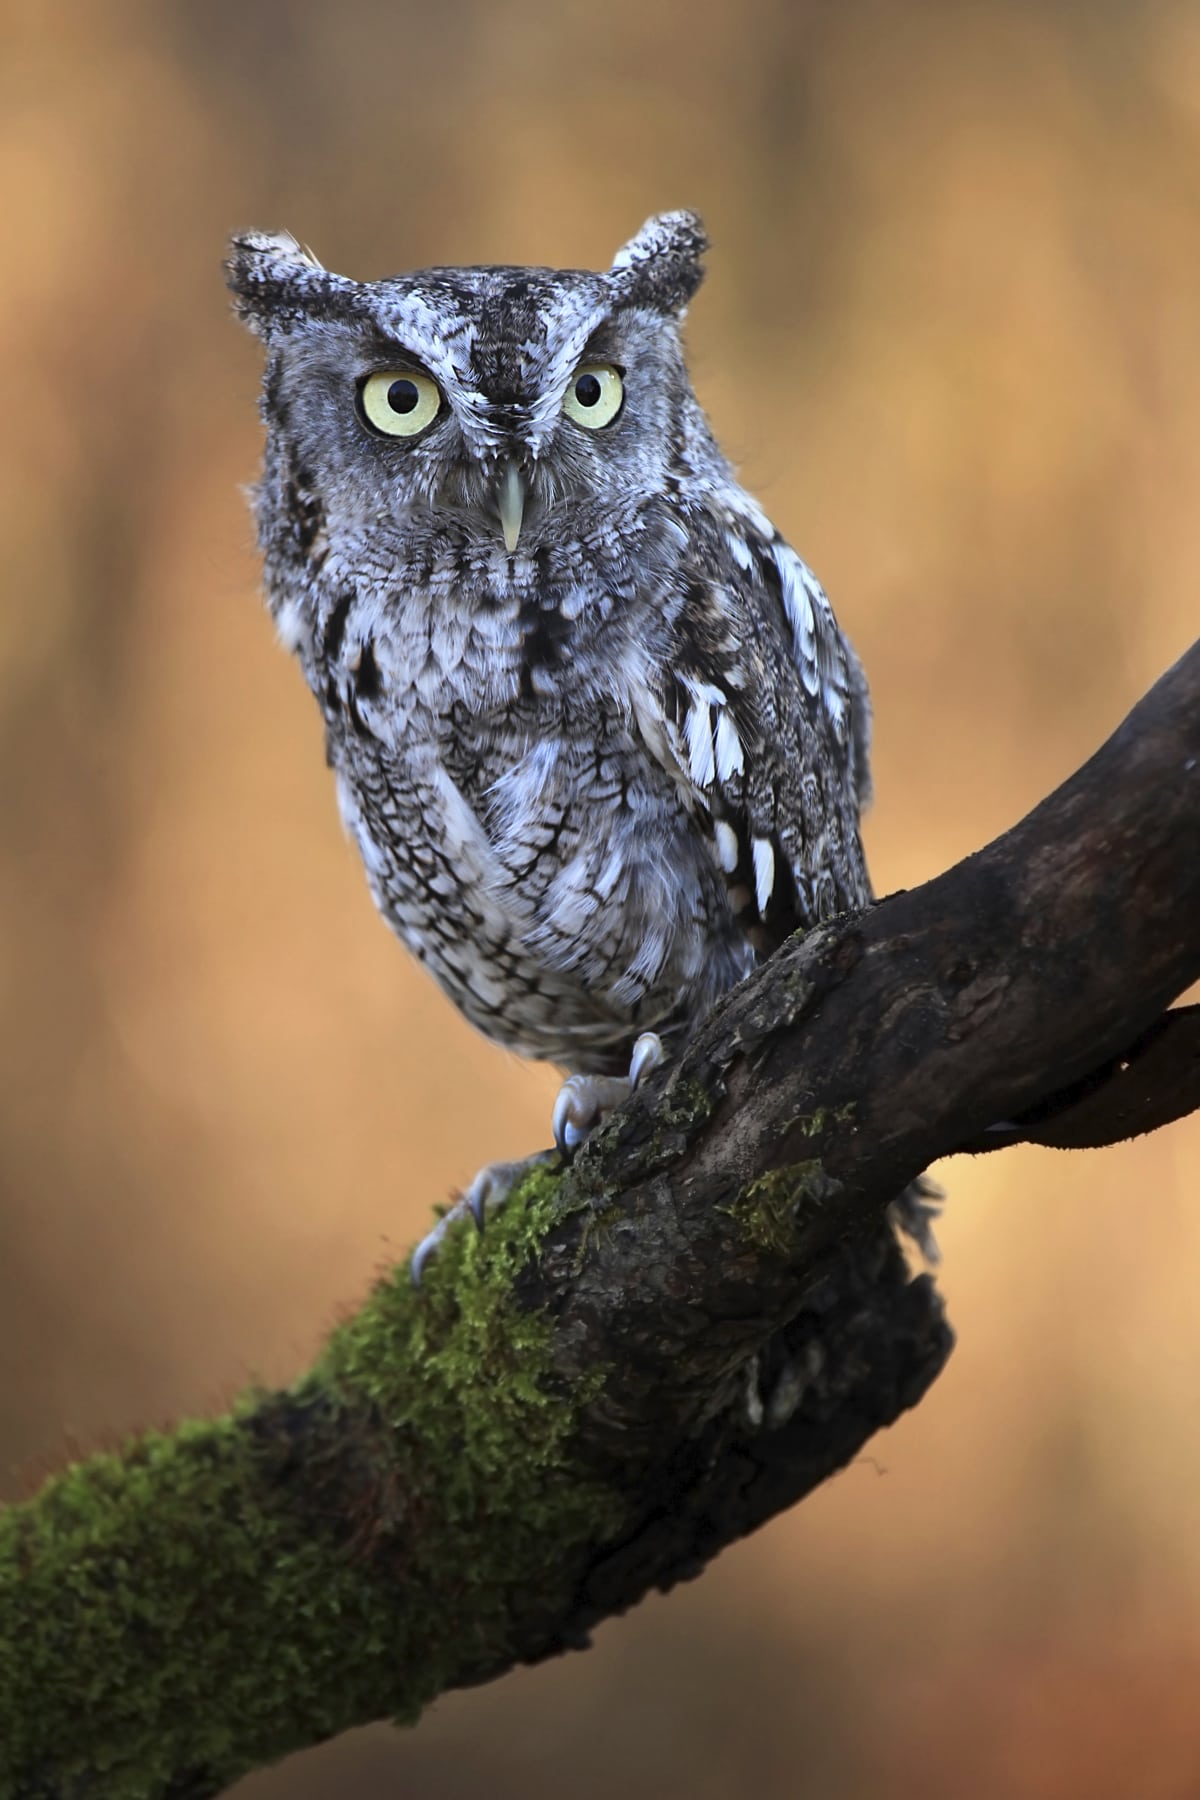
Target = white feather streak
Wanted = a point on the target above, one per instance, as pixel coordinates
(727, 845)
(764, 872)
(700, 742)
(730, 760)
(797, 603)
(699, 729)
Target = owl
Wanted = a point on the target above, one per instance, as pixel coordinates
(592, 722)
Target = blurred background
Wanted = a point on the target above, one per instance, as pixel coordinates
(952, 335)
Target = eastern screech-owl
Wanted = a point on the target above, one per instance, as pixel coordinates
(593, 724)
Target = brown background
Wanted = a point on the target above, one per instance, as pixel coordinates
(952, 334)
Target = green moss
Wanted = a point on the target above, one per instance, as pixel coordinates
(178, 1607)
(822, 1120)
(685, 1103)
(151, 1607)
(598, 1227)
(768, 1209)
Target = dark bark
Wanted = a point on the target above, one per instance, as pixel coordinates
(1153, 1082)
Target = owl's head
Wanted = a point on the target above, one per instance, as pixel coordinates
(486, 399)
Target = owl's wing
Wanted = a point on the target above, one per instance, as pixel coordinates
(768, 730)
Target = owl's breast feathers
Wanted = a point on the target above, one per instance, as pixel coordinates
(591, 811)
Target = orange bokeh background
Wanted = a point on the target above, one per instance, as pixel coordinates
(952, 335)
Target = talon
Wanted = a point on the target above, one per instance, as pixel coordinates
(427, 1246)
(648, 1054)
(476, 1197)
(489, 1190)
(575, 1112)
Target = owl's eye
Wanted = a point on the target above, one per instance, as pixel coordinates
(595, 395)
(399, 402)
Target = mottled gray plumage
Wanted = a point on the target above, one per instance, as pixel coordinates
(596, 777)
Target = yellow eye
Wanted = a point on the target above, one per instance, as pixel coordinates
(400, 402)
(595, 395)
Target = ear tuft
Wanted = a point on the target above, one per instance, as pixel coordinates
(661, 267)
(275, 280)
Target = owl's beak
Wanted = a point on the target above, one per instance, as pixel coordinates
(510, 499)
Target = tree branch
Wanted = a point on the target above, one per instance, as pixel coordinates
(645, 1356)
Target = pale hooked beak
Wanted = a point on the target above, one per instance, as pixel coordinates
(510, 499)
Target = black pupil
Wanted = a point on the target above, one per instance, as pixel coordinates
(403, 396)
(587, 390)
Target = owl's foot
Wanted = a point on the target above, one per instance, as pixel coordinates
(489, 1190)
(914, 1214)
(583, 1101)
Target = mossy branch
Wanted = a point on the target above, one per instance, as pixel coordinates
(644, 1357)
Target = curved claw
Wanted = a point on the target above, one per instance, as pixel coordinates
(648, 1054)
(473, 1204)
(575, 1112)
(481, 1190)
(489, 1190)
(427, 1246)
